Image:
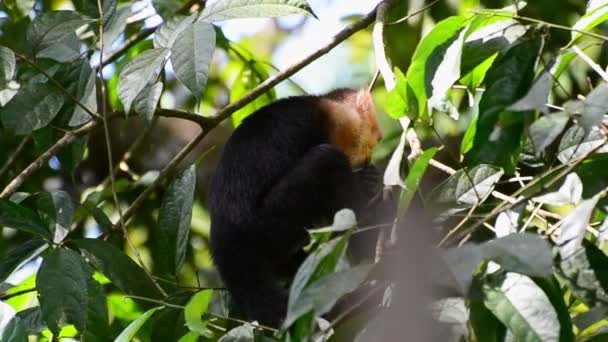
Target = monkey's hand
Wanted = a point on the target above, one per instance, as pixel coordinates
(369, 181)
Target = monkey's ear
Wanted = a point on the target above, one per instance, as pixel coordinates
(364, 102)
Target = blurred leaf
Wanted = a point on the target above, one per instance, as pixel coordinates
(467, 188)
(586, 274)
(250, 76)
(195, 309)
(6, 314)
(453, 313)
(138, 73)
(232, 9)
(166, 35)
(14, 331)
(537, 96)
(344, 219)
(523, 308)
(595, 15)
(7, 65)
(49, 33)
(526, 254)
(146, 102)
(595, 105)
(16, 216)
(569, 193)
(574, 226)
(62, 289)
(575, 143)
(429, 54)
(32, 320)
(119, 268)
(19, 256)
(191, 56)
(392, 173)
(462, 263)
(321, 295)
(545, 130)
(33, 107)
(131, 330)
(174, 221)
(98, 324)
(243, 333)
(78, 78)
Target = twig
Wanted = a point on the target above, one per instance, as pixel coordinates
(225, 112)
(16, 153)
(69, 138)
(16, 294)
(542, 22)
(106, 131)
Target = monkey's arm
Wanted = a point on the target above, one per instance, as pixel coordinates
(319, 184)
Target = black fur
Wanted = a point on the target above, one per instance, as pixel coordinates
(277, 175)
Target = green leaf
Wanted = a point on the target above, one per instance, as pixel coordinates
(19, 256)
(57, 210)
(576, 143)
(319, 263)
(32, 108)
(537, 96)
(6, 314)
(146, 102)
(574, 227)
(462, 263)
(570, 192)
(51, 31)
(195, 309)
(585, 273)
(243, 333)
(594, 107)
(191, 56)
(174, 221)
(7, 65)
(322, 295)
(232, 9)
(131, 330)
(397, 101)
(166, 35)
(78, 78)
(414, 177)
(467, 188)
(498, 135)
(16, 216)
(521, 253)
(138, 73)
(32, 320)
(98, 324)
(119, 268)
(344, 219)
(62, 289)
(545, 130)
(429, 55)
(14, 331)
(594, 16)
(523, 308)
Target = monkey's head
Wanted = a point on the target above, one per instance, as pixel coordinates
(352, 124)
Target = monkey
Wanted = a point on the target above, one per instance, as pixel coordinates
(289, 166)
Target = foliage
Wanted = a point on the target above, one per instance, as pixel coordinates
(105, 121)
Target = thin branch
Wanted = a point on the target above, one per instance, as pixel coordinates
(16, 294)
(202, 121)
(15, 154)
(225, 112)
(66, 140)
(542, 22)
